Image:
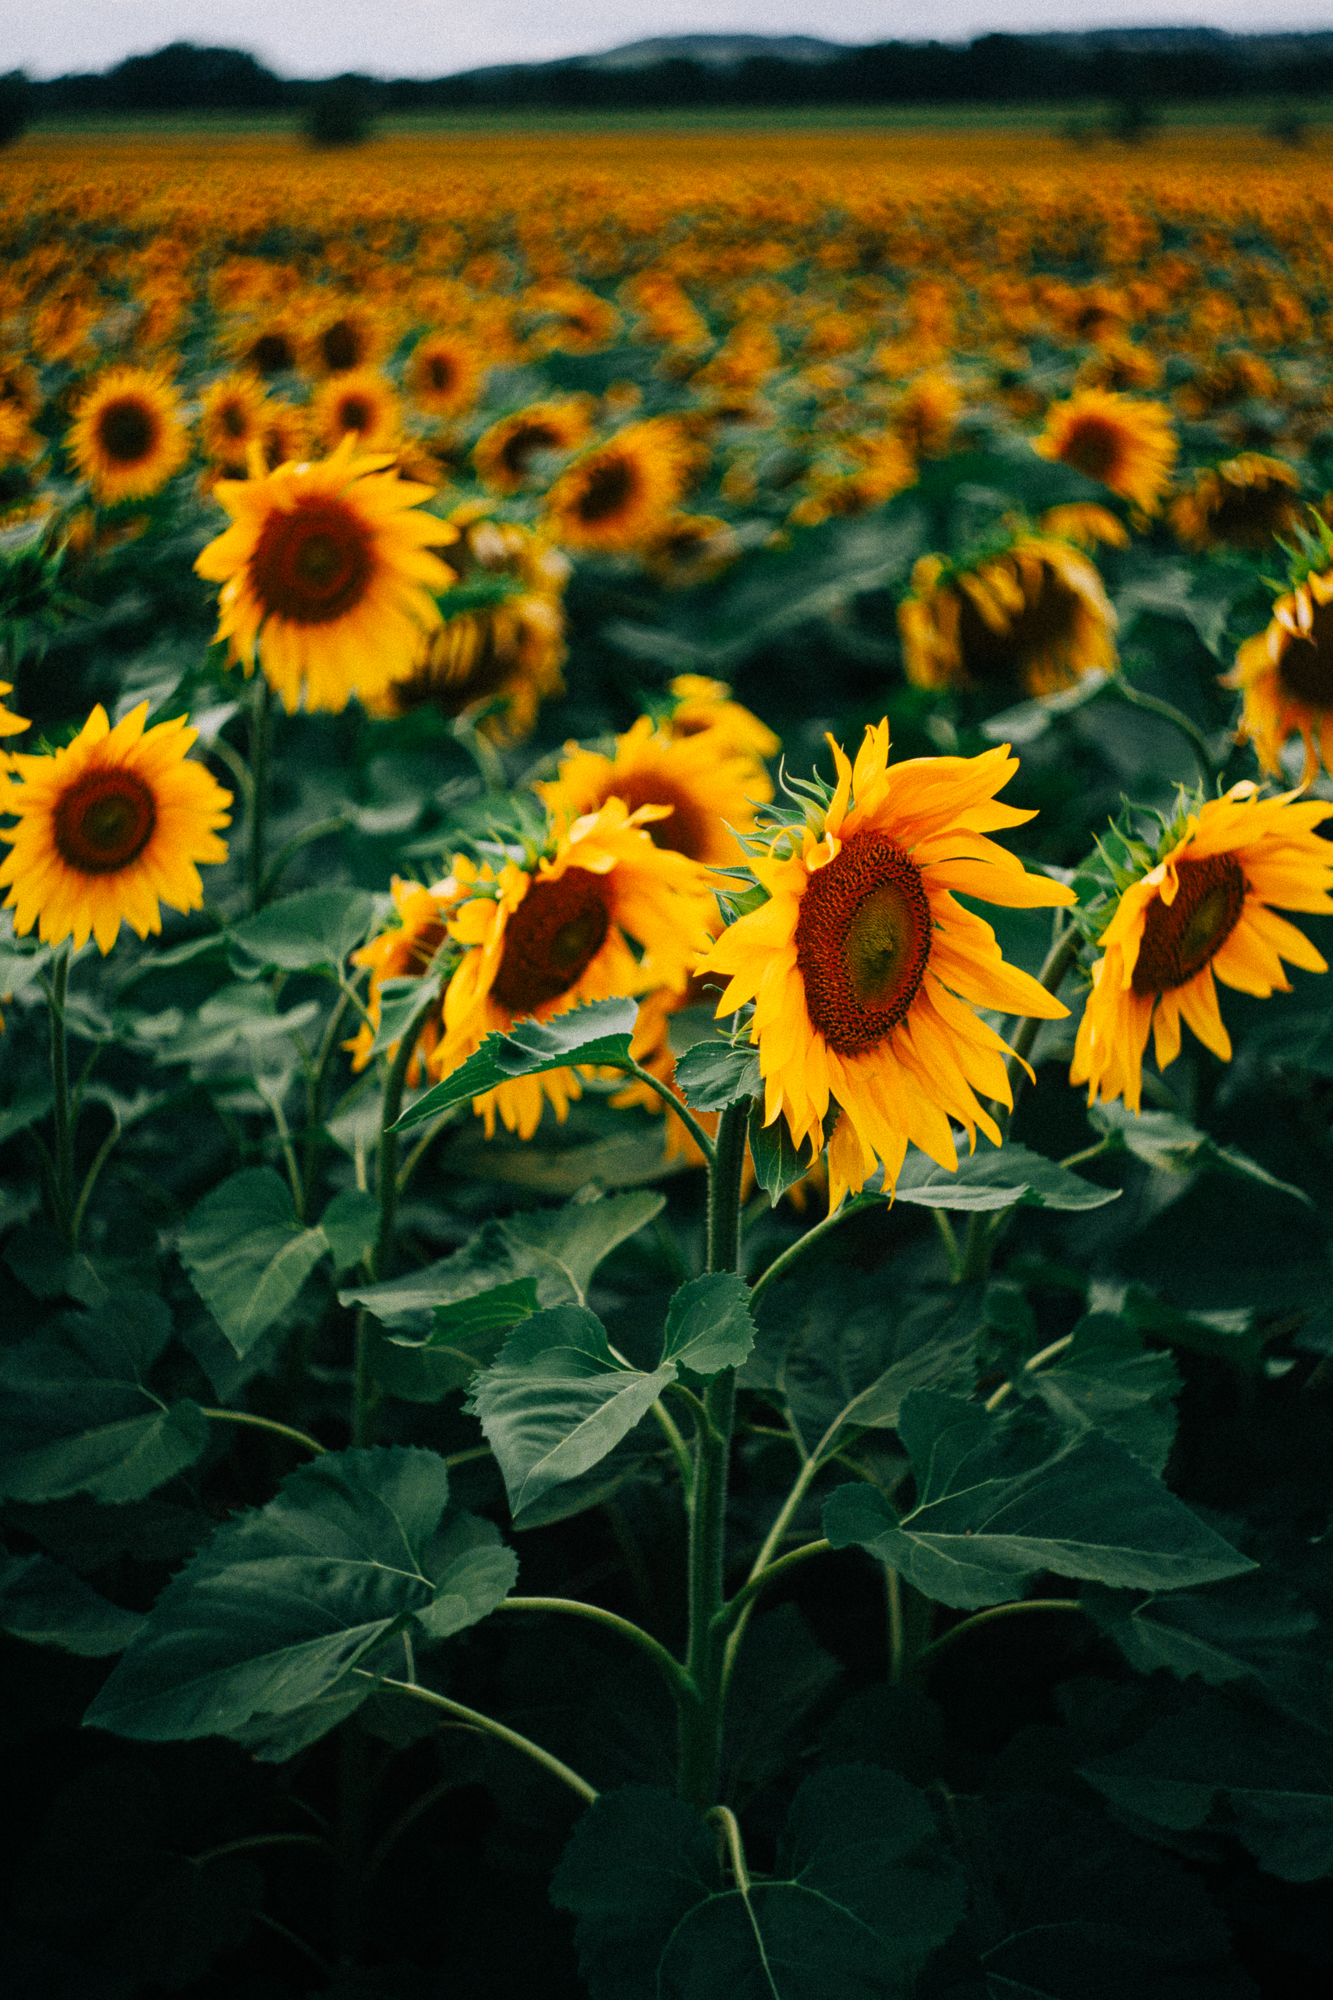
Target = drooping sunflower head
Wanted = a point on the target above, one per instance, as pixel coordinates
(108, 828)
(1029, 613)
(1247, 502)
(513, 452)
(1198, 904)
(326, 573)
(127, 437)
(1120, 364)
(445, 374)
(404, 949)
(617, 494)
(360, 403)
(231, 420)
(346, 336)
(864, 970)
(1126, 444)
(1286, 671)
(600, 911)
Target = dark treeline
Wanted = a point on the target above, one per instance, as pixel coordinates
(995, 69)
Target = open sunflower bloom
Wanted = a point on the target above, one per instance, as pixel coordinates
(1125, 442)
(127, 437)
(864, 970)
(1203, 909)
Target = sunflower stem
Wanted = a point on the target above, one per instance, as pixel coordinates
(674, 1103)
(261, 758)
(60, 1118)
(1154, 705)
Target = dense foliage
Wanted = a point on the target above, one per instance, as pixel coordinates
(689, 1528)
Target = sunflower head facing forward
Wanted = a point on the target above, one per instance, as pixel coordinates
(513, 451)
(358, 403)
(1126, 443)
(127, 437)
(1199, 906)
(108, 828)
(326, 573)
(616, 495)
(1030, 613)
(864, 970)
(445, 373)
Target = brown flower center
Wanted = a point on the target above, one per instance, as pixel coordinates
(272, 353)
(524, 444)
(355, 413)
(104, 821)
(862, 942)
(607, 489)
(1306, 667)
(313, 562)
(413, 951)
(1048, 621)
(1093, 447)
(340, 345)
(551, 940)
(234, 419)
(127, 430)
(1248, 517)
(441, 373)
(1180, 938)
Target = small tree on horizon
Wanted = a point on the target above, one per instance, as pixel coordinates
(15, 106)
(339, 112)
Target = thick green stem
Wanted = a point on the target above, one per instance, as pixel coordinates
(261, 759)
(797, 1250)
(476, 1720)
(61, 1121)
(724, 1188)
(313, 1144)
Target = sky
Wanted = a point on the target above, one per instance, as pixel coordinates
(438, 37)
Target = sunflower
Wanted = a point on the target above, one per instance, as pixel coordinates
(232, 417)
(402, 951)
(572, 320)
(1244, 503)
(926, 414)
(352, 338)
(1032, 612)
(709, 785)
(1126, 444)
(326, 571)
(1286, 674)
(509, 455)
(10, 724)
(359, 403)
(18, 443)
(1201, 905)
(541, 940)
(109, 827)
(864, 970)
(701, 703)
(504, 658)
(688, 549)
(445, 374)
(270, 345)
(616, 495)
(127, 437)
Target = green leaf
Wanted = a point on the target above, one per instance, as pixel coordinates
(599, 1033)
(246, 1253)
(287, 1599)
(1108, 1379)
(349, 1226)
(76, 1415)
(316, 928)
(708, 1325)
(50, 1606)
(1228, 1333)
(466, 1336)
(778, 1164)
(1173, 1146)
(1228, 1764)
(713, 1075)
(558, 1400)
(863, 1892)
(1002, 1497)
(560, 1247)
(27, 1108)
(998, 1178)
(399, 1000)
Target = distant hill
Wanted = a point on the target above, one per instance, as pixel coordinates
(716, 51)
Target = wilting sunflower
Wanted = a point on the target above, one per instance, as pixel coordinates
(1127, 444)
(502, 658)
(402, 951)
(109, 827)
(509, 455)
(1031, 613)
(1244, 503)
(541, 940)
(1286, 675)
(348, 336)
(617, 494)
(127, 437)
(361, 404)
(1202, 905)
(864, 970)
(445, 374)
(710, 786)
(231, 419)
(325, 571)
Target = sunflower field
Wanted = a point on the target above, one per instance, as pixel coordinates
(666, 1077)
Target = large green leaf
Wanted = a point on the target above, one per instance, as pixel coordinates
(1002, 1497)
(76, 1415)
(1173, 1146)
(558, 1400)
(778, 1163)
(708, 1325)
(991, 1178)
(50, 1606)
(466, 1336)
(316, 928)
(287, 1599)
(713, 1074)
(247, 1254)
(599, 1033)
(1107, 1378)
(862, 1893)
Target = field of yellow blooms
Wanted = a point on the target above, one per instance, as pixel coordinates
(665, 1053)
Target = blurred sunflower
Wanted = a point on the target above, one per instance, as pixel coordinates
(231, 419)
(269, 344)
(926, 414)
(1243, 503)
(445, 374)
(1032, 612)
(864, 970)
(325, 571)
(353, 338)
(688, 549)
(127, 437)
(1286, 674)
(602, 911)
(509, 454)
(615, 495)
(403, 950)
(1202, 905)
(359, 403)
(1125, 443)
(108, 828)
(700, 703)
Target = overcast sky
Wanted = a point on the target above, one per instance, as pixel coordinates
(436, 37)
